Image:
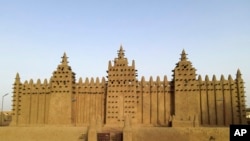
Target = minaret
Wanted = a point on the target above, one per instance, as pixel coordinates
(15, 101)
(62, 91)
(121, 90)
(185, 92)
(240, 98)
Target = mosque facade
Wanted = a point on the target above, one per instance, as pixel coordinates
(184, 100)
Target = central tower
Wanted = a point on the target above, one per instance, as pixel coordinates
(185, 93)
(62, 90)
(121, 90)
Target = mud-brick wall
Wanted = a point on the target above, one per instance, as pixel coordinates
(33, 102)
(219, 102)
(154, 106)
(89, 101)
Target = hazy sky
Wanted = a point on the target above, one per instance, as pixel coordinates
(35, 34)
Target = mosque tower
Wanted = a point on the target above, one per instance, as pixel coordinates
(185, 93)
(121, 98)
(62, 91)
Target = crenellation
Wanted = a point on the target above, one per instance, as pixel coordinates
(207, 78)
(222, 78)
(165, 79)
(45, 82)
(38, 82)
(222, 93)
(103, 81)
(89, 94)
(214, 78)
(157, 111)
(30, 82)
(80, 81)
(91, 82)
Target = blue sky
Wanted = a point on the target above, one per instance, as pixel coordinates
(35, 34)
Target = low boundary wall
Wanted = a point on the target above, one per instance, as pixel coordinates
(59, 133)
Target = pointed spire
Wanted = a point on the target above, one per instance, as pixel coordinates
(17, 79)
(121, 53)
(222, 78)
(65, 59)
(87, 81)
(110, 65)
(230, 78)
(80, 80)
(25, 82)
(151, 80)
(158, 81)
(45, 82)
(238, 74)
(17, 76)
(199, 78)
(31, 82)
(143, 80)
(38, 81)
(214, 78)
(183, 55)
(206, 78)
(165, 79)
(103, 80)
(133, 63)
(92, 80)
(97, 80)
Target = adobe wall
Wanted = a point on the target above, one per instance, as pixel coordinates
(88, 102)
(180, 134)
(60, 133)
(185, 99)
(30, 102)
(218, 101)
(42, 133)
(154, 102)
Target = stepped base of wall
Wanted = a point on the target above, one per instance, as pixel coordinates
(57, 133)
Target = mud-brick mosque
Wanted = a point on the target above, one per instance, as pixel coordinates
(183, 100)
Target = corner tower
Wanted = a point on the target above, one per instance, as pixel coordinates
(185, 93)
(121, 98)
(241, 105)
(16, 100)
(62, 91)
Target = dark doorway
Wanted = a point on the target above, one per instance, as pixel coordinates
(103, 136)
